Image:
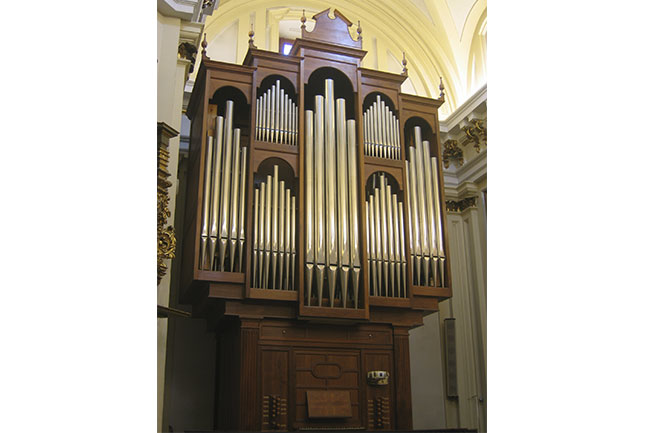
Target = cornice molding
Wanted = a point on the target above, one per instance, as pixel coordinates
(464, 110)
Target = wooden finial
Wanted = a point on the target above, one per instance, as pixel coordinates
(251, 43)
(303, 18)
(359, 30)
(405, 71)
(204, 45)
(442, 89)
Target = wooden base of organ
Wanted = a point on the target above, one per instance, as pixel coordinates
(268, 368)
(296, 343)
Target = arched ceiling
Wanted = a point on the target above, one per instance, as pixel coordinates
(440, 37)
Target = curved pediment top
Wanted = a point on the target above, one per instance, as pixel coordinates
(331, 30)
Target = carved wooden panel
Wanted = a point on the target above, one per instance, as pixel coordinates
(335, 371)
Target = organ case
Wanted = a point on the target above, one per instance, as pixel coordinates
(314, 236)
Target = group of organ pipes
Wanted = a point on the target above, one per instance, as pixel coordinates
(385, 240)
(381, 131)
(277, 117)
(425, 230)
(332, 261)
(332, 264)
(222, 223)
(274, 235)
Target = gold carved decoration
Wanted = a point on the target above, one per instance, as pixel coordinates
(460, 205)
(476, 134)
(166, 235)
(452, 153)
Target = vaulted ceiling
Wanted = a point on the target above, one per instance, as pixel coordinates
(441, 38)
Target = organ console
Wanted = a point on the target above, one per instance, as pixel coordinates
(314, 236)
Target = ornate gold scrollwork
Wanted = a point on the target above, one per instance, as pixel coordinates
(166, 235)
(460, 205)
(475, 134)
(452, 153)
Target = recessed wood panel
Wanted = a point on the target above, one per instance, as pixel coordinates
(328, 404)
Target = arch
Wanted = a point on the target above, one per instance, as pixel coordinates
(285, 173)
(372, 97)
(285, 84)
(342, 89)
(393, 176)
(241, 116)
(426, 132)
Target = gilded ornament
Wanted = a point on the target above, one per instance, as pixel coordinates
(452, 153)
(460, 205)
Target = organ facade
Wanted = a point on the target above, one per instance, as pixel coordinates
(314, 236)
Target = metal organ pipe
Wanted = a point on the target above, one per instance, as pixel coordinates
(332, 207)
(387, 263)
(425, 214)
(223, 213)
(274, 234)
(381, 131)
(277, 116)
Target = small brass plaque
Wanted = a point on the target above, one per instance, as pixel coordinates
(329, 404)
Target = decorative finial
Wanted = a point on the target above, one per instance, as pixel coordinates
(405, 71)
(251, 43)
(303, 18)
(204, 45)
(442, 89)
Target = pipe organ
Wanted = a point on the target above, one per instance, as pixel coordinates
(334, 175)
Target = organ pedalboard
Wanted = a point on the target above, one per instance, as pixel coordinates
(314, 236)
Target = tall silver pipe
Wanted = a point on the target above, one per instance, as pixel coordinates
(426, 160)
(373, 249)
(287, 236)
(256, 232)
(355, 260)
(283, 116)
(375, 129)
(274, 229)
(387, 124)
(402, 249)
(330, 167)
(235, 199)
(216, 192)
(262, 237)
(207, 182)
(422, 206)
(415, 216)
(371, 131)
(384, 233)
(378, 243)
(410, 223)
(225, 187)
(438, 215)
(309, 201)
(391, 238)
(257, 119)
(398, 252)
(265, 115)
(242, 206)
(342, 182)
(365, 134)
(267, 231)
(292, 271)
(272, 115)
(281, 225)
(319, 195)
(380, 122)
(396, 132)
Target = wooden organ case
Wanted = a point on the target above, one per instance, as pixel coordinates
(314, 235)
